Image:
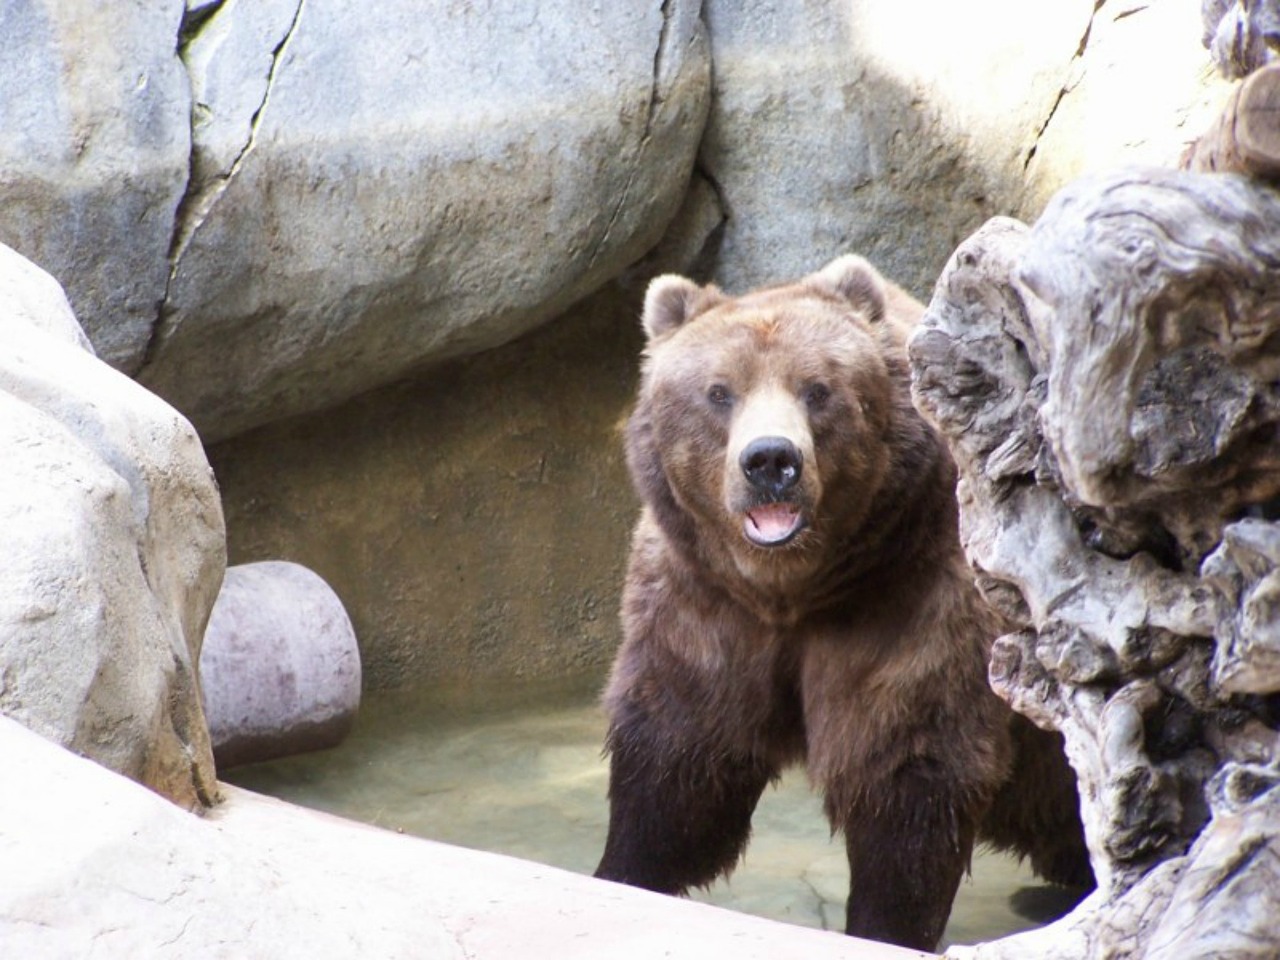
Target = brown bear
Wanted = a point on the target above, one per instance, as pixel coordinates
(797, 592)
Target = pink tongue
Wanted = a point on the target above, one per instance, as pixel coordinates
(773, 521)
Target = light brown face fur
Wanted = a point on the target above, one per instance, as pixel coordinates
(798, 372)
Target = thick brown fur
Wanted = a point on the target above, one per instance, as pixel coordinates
(858, 645)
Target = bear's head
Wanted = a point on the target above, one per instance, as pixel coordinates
(765, 426)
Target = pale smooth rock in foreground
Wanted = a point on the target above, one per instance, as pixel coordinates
(1107, 382)
(114, 550)
(29, 295)
(94, 865)
(280, 669)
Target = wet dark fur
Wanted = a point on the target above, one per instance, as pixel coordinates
(862, 652)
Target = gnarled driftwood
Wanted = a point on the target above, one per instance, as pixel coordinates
(1109, 382)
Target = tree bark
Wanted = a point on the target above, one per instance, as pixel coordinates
(1109, 383)
(1246, 137)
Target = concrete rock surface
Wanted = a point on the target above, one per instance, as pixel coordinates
(489, 489)
(865, 127)
(279, 669)
(1138, 89)
(838, 127)
(96, 865)
(475, 522)
(373, 188)
(93, 163)
(265, 208)
(114, 550)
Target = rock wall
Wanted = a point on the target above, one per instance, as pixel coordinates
(473, 522)
(851, 126)
(261, 209)
(1108, 383)
(838, 127)
(831, 128)
(1139, 88)
(272, 212)
(265, 208)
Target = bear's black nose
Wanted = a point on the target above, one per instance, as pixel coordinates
(771, 464)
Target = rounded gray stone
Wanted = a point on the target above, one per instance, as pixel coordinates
(280, 668)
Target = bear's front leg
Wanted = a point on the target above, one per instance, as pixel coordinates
(679, 806)
(909, 838)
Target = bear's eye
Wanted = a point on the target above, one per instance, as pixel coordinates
(816, 395)
(719, 395)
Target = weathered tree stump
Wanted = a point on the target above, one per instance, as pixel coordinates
(1109, 382)
(1246, 137)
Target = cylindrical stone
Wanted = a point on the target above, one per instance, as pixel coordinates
(280, 669)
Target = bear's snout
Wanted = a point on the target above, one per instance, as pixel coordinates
(771, 465)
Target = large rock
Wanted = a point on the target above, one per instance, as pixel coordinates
(337, 195)
(389, 188)
(93, 162)
(96, 866)
(854, 126)
(114, 550)
(1140, 87)
(838, 127)
(279, 669)
(1107, 382)
(265, 208)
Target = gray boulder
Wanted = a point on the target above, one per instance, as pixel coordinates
(390, 188)
(93, 161)
(895, 131)
(306, 201)
(838, 127)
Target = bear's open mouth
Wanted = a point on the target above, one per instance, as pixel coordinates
(773, 524)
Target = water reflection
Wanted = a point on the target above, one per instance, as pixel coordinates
(519, 771)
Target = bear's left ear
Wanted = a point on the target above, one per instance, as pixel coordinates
(853, 279)
(673, 301)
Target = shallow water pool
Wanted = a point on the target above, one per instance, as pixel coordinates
(519, 771)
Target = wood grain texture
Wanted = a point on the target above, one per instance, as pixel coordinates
(1246, 137)
(1107, 382)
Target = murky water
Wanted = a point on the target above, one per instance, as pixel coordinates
(519, 771)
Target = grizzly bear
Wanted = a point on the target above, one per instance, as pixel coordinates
(797, 592)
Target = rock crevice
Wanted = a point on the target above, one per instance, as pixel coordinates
(214, 161)
(1072, 69)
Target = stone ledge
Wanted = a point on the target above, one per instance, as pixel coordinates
(100, 864)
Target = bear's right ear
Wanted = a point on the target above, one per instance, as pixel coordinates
(673, 301)
(853, 279)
